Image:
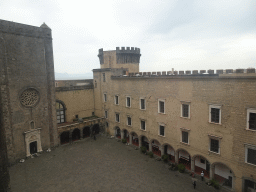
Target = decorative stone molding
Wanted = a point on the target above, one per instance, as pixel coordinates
(32, 136)
(29, 97)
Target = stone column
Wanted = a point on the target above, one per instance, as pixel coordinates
(176, 157)
(193, 164)
(122, 134)
(150, 146)
(212, 169)
(130, 138)
(161, 148)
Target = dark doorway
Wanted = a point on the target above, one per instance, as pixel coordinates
(64, 137)
(76, 135)
(86, 132)
(207, 166)
(165, 149)
(118, 133)
(144, 143)
(33, 147)
(96, 129)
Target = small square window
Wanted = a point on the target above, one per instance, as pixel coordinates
(215, 114)
(106, 114)
(128, 101)
(214, 145)
(105, 97)
(161, 107)
(161, 130)
(184, 137)
(117, 117)
(251, 119)
(142, 104)
(116, 99)
(129, 121)
(143, 125)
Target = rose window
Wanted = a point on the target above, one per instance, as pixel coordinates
(29, 97)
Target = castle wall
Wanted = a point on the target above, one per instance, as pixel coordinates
(234, 94)
(77, 102)
(27, 82)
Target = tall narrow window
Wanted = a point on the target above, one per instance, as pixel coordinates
(143, 125)
(251, 119)
(106, 114)
(103, 77)
(128, 101)
(105, 97)
(60, 110)
(215, 114)
(185, 110)
(214, 145)
(184, 137)
(117, 117)
(161, 108)
(116, 99)
(142, 104)
(129, 121)
(161, 130)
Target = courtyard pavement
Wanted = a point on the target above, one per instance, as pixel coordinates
(103, 165)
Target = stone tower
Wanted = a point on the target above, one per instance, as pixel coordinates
(128, 58)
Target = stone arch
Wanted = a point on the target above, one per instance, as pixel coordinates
(135, 138)
(223, 174)
(184, 157)
(170, 151)
(156, 147)
(126, 135)
(86, 131)
(200, 163)
(117, 132)
(76, 134)
(248, 183)
(96, 128)
(144, 141)
(64, 137)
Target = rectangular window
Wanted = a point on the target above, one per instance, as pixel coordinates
(116, 99)
(128, 101)
(161, 130)
(106, 124)
(161, 106)
(117, 117)
(251, 156)
(142, 104)
(185, 110)
(106, 114)
(214, 145)
(184, 137)
(143, 125)
(129, 121)
(104, 78)
(105, 97)
(251, 119)
(215, 114)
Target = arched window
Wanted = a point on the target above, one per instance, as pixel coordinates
(60, 109)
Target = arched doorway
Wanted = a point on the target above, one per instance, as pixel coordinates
(33, 147)
(168, 150)
(135, 139)
(96, 129)
(223, 174)
(126, 135)
(64, 137)
(202, 164)
(86, 132)
(76, 135)
(118, 132)
(145, 142)
(156, 147)
(184, 158)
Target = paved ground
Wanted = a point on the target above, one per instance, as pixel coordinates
(103, 165)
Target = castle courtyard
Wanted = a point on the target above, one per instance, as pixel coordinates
(102, 165)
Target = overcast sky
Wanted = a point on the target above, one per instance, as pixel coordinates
(179, 34)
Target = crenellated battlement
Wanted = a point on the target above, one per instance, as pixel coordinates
(223, 72)
(127, 50)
